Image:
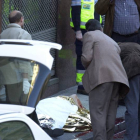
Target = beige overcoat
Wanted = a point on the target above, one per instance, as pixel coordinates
(101, 58)
(14, 31)
(11, 71)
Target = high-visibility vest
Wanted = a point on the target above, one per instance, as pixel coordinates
(87, 12)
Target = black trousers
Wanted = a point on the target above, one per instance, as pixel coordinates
(78, 51)
(126, 38)
(79, 67)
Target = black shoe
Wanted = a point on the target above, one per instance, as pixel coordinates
(81, 90)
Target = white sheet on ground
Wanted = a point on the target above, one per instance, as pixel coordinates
(57, 108)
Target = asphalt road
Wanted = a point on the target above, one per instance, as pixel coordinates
(85, 102)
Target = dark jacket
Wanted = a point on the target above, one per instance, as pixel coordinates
(106, 7)
(130, 55)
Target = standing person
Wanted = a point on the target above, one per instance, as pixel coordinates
(81, 12)
(14, 29)
(104, 79)
(122, 19)
(130, 55)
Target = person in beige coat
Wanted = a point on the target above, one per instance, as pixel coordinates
(15, 69)
(15, 29)
(104, 79)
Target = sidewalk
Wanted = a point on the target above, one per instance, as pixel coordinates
(85, 102)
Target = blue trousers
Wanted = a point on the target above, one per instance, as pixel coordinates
(132, 108)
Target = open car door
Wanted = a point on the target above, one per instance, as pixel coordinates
(24, 68)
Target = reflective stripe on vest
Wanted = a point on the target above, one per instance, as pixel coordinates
(75, 3)
(79, 84)
(101, 20)
(79, 76)
(87, 12)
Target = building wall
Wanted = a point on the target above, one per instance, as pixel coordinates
(66, 58)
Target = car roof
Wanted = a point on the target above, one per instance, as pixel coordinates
(29, 49)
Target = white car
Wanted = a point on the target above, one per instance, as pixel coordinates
(25, 68)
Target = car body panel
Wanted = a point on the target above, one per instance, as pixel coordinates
(6, 108)
(37, 52)
(37, 132)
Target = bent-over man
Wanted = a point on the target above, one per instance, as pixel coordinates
(104, 79)
(130, 55)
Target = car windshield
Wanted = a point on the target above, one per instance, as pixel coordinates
(17, 79)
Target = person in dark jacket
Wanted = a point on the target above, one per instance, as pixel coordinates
(130, 55)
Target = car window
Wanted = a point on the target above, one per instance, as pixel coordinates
(15, 130)
(17, 79)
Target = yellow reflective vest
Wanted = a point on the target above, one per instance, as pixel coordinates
(87, 12)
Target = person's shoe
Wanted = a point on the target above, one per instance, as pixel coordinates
(82, 91)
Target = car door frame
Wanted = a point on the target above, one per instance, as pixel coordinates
(37, 132)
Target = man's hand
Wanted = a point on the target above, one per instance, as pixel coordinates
(26, 86)
(79, 35)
